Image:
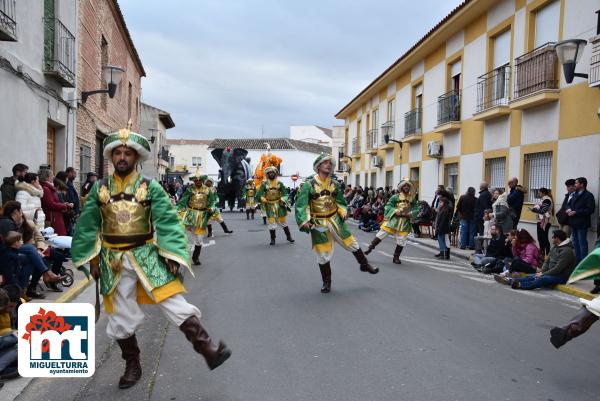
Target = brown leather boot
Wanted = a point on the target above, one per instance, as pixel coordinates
(273, 235)
(197, 335)
(288, 235)
(582, 321)
(224, 227)
(196, 255)
(376, 241)
(397, 253)
(326, 276)
(209, 229)
(130, 352)
(364, 263)
(247, 214)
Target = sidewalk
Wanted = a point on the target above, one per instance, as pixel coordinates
(580, 289)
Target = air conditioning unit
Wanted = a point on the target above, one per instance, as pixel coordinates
(376, 161)
(434, 149)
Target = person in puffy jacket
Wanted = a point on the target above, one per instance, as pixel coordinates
(525, 253)
(29, 195)
(54, 209)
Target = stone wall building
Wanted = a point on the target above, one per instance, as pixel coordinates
(38, 42)
(154, 124)
(104, 40)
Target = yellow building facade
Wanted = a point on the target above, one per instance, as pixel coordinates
(482, 97)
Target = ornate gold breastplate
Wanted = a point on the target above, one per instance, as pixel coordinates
(403, 205)
(198, 200)
(273, 194)
(125, 220)
(323, 205)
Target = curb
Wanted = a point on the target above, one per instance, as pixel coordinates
(73, 292)
(567, 289)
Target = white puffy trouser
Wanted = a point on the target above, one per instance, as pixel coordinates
(593, 305)
(324, 257)
(401, 238)
(127, 315)
(197, 238)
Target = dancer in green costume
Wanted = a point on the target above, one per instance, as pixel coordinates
(135, 243)
(321, 211)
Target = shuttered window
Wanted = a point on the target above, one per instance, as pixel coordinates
(495, 172)
(538, 173)
(451, 176)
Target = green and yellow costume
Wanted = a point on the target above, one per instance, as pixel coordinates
(196, 206)
(273, 196)
(131, 217)
(249, 194)
(322, 204)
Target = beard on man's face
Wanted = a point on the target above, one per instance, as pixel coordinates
(123, 167)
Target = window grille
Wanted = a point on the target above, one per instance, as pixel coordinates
(538, 170)
(85, 162)
(495, 172)
(451, 176)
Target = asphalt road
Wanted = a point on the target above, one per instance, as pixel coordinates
(424, 330)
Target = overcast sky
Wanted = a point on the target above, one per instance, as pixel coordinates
(237, 68)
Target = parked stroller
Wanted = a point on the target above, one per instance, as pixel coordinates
(58, 252)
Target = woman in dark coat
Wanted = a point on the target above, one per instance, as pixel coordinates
(442, 228)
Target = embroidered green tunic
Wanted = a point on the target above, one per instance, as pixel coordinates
(145, 201)
(333, 211)
(249, 195)
(273, 196)
(394, 224)
(194, 218)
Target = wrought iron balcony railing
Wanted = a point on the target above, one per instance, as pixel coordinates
(59, 52)
(449, 107)
(492, 88)
(387, 128)
(536, 71)
(164, 154)
(355, 146)
(373, 139)
(412, 122)
(8, 24)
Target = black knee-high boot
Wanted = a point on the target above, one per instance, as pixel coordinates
(209, 229)
(272, 233)
(130, 352)
(196, 255)
(288, 235)
(397, 253)
(224, 226)
(365, 266)
(376, 241)
(584, 319)
(326, 276)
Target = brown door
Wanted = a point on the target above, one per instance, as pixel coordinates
(51, 147)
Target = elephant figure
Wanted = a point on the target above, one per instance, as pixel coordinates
(232, 175)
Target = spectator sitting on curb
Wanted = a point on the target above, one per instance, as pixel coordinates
(8, 338)
(558, 266)
(525, 254)
(498, 249)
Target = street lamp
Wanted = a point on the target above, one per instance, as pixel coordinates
(387, 139)
(112, 75)
(569, 53)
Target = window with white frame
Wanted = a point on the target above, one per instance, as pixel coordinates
(391, 110)
(538, 173)
(495, 172)
(451, 176)
(547, 22)
(196, 161)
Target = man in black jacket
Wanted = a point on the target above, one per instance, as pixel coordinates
(561, 215)
(516, 197)
(466, 211)
(7, 188)
(580, 209)
(484, 202)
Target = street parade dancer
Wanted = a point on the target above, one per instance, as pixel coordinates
(216, 215)
(321, 210)
(249, 196)
(273, 196)
(132, 237)
(267, 159)
(195, 207)
(397, 219)
(587, 269)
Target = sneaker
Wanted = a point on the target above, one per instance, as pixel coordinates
(502, 279)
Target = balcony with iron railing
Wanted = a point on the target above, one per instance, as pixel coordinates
(372, 139)
(8, 24)
(387, 130)
(448, 112)
(493, 94)
(59, 52)
(535, 78)
(413, 124)
(164, 155)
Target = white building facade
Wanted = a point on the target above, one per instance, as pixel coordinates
(38, 67)
(185, 156)
(297, 156)
(312, 134)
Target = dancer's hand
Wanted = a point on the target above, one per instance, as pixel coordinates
(173, 266)
(307, 225)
